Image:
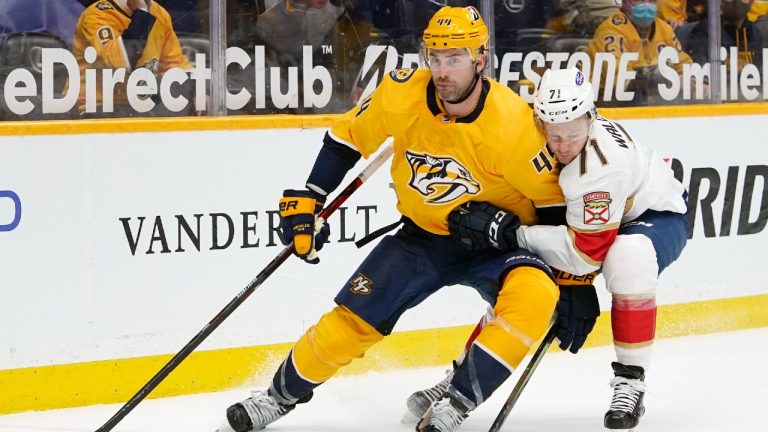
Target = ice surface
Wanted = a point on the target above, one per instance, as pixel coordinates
(708, 383)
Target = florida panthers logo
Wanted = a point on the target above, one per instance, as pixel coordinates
(440, 179)
(597, 210)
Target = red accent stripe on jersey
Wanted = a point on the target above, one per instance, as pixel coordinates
(633, 321)
(475, 333)
(595, 244)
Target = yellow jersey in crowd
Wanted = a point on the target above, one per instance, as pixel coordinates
(101, 26)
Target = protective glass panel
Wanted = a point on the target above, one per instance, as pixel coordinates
(323, 56)
(71, 59)
(317, 56)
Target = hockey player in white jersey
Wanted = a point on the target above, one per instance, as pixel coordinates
(625, 215)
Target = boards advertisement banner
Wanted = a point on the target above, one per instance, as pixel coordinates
(122, 245)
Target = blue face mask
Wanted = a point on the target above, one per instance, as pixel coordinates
(643, 14)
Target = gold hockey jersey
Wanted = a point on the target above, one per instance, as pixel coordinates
(617, 35)
(101, 26)
(495, 153)
(673, 11)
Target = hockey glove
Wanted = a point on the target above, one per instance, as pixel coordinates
(577, 312)
(301, 225)
(481, 225)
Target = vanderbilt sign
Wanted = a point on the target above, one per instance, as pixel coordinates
(217, 231)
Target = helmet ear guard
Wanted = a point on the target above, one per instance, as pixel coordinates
(563, 95)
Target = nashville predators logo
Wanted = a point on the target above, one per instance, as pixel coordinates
(402, 75)
(104, 5)
(440, 179)
(597, 208)
(361, 285)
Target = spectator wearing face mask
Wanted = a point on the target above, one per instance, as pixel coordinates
(635, 28)
(582, 17)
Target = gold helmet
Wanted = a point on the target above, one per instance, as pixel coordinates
(456, 27)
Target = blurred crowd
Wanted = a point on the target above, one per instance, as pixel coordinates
(322, 56)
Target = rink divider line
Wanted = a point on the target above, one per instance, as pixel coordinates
(284, 121)
(113, 381)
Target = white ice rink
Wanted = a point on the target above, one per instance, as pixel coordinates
(705, 383)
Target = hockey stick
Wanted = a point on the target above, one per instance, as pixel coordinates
(523, 381)
(241, 296)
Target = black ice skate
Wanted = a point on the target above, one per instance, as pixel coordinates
(419, 402)
(259, 410)
(627, 404)
(444, 415)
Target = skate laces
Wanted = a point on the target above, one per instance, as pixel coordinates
(445, 416)
(263, 408)
(626, 393)
(427, 396)
(439, 389)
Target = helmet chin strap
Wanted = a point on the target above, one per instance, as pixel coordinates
(467, 92)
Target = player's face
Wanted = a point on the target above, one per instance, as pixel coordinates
(567, 139)
(453, 71)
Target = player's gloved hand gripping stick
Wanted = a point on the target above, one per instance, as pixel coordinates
(241, 296)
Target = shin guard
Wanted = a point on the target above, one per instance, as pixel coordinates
(339, 337)
(523, 310)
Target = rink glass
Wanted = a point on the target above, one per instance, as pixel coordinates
(308, 56)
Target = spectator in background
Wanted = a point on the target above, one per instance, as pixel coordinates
(759, 8)
(674, 12)
(695, 10)
(582, 17)
(401, 22)
(636, 28)
(288, 25)
(520, 25)
(41, 16)
(126, 34)
(736, 31)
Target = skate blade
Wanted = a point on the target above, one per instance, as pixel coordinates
(409, 418)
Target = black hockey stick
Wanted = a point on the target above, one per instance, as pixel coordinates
(240, 297)
(524, 378)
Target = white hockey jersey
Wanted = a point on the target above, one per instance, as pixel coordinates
(613, 181)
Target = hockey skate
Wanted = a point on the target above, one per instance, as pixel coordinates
(444, 415)
(627, 404)
(259, 410)
(419, 402)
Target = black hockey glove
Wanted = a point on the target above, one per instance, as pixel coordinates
(577, 312)
(301, 225)
(481, 225)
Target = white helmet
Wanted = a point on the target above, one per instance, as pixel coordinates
(563, 95)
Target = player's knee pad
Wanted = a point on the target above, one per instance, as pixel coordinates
(339, 337)
(630, 267)
(523, 310)
(631, 271)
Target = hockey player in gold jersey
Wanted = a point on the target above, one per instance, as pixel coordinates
(457, 137)
(127, 34)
